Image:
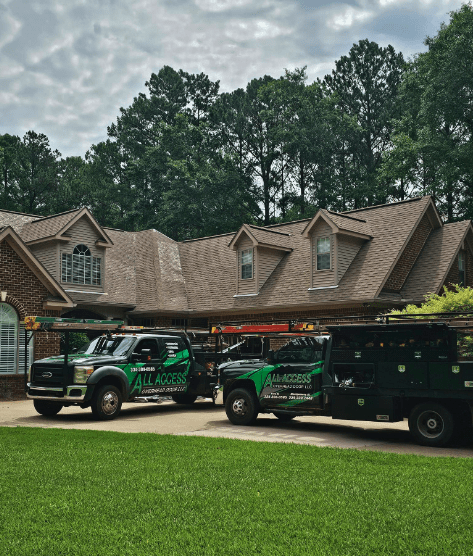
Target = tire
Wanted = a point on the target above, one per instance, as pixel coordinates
(431, 424)
(47, 408)
(241, 407)
(284, 417)
(184, 398)
(106, 402)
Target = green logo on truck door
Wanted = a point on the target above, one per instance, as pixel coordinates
(166, 373)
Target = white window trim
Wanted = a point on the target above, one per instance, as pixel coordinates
(317, 239)
(16, 348)
(76, 265)
(243, 251)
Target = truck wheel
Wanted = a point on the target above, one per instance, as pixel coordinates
(49, 409)
(284, 417)
(106, 402)
(241, 407)
(184, 398)
(431, 424)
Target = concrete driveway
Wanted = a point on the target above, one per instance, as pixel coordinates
(204, 419)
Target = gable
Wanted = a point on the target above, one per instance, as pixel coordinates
(15, 256)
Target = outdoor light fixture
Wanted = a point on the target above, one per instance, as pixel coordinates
(4, 296)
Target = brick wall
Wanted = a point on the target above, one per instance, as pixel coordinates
(406, 261)
(25, 293)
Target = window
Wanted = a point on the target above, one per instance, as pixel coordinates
(461, 268)
(323, 253)
(247, 264)
(12, 342)
(80, 267)
(8, 339)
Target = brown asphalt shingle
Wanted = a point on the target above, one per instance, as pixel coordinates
(275, 238)
(210, 269)
(432, 265)
(349, 223)
(47, 226)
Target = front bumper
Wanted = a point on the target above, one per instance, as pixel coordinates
(74, 393)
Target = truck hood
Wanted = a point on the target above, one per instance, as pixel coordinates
(82, 359)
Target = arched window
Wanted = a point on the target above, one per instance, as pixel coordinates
(8, 339)
(82, 250)
(80, 267)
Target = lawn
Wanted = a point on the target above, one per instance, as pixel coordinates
(90, 493)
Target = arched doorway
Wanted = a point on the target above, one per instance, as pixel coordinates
(9, 325)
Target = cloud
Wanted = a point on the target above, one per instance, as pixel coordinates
(67, 67)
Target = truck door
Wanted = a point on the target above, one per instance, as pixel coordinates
(144, 373)
(174, 376)
(294, 379)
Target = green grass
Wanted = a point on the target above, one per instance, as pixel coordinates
(90, 493)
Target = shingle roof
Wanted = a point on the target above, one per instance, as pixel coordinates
(15, 219)
(47, 226)
(144, 269)
(349, 223)
(270, 237)
(210, 268)
(432, 265)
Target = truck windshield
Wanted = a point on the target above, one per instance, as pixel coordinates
(301, 350)
(108, 346)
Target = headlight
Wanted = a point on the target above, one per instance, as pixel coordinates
(81, 374)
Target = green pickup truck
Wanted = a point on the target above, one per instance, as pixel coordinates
(115, 368)
(373, 372)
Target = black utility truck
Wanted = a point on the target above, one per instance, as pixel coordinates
(365, 372)
(124, 364)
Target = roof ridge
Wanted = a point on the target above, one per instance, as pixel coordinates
(206, 237)
(266, 230)
(20, 213)
(345, 216)
(387, 204)
(42, 218)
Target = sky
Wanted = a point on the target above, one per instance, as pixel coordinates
(66, 67)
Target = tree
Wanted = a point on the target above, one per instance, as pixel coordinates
(366, 84)
(37, 174)
(456, 300)
(9, 169)
(433, 140)
(245, 130)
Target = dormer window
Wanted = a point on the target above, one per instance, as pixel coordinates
(80, 267)
(323, 253)
(247, 264)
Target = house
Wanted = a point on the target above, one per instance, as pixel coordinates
(362, 261)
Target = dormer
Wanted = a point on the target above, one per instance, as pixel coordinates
(72, 247)
(335, 240)
(258, 253)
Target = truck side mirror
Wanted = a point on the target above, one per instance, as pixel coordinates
(145, 355)
(271, 358)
